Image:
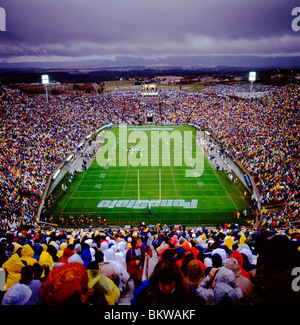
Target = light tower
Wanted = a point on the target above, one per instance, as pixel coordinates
(252, 78)
(45, 81)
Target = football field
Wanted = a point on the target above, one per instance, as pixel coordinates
(152, 174)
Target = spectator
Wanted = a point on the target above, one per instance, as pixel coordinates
(66, 255)
(170, 243)
(103, 291)
(27, 278)
(13, 267)
(188, 256)
(194, 274)
(86, 256)
(278, 256)
(157, 241)
(18, 294)
(238, 256)
(45, 258)
(10, 250)
(106, 268)
(66, 285)
(120, 269)
(3, 256)
(135, 258)
(245, 284)
(224, 290)
(37, 252)
(144, 233)
(166, 286)
(27, 255)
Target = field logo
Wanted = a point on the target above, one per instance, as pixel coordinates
(138, 149)
(143, 204)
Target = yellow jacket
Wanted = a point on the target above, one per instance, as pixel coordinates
(106, 285)
(46, 258)
(242, 240)
(13, 266)
(62, 247)
(229, 241)
(26, 255)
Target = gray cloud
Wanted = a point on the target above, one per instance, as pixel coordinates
(64, 30)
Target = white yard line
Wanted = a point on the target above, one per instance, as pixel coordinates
(225, 189)
(176, 191)
(159, 184)
(70, 197)
(173, 197)
(138, 180)
(124, 185)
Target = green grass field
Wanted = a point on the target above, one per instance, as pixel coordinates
(120, 191)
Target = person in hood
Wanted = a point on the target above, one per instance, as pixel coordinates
(220, 287)
(194, 273)
(18, 294)
(87, 255)
(66, 284)
(188, 256)
(66, 254)
(27, 255)
(13, 267)
(103, 291)
(226, 289)
(52, 250)
(45, 257)
(61, 249)
(246, 285)
(120, 269)
(38, 249)
(238, 256)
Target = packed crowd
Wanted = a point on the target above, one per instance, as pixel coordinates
(196, 266)
(262, 133)
(264, 136)
(35, 138)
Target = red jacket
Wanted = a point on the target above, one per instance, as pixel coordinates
(131, 258)
(238, 256)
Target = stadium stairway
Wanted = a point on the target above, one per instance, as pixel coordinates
(127, 294)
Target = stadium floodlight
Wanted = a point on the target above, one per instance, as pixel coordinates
(252, 78)
(45, 81)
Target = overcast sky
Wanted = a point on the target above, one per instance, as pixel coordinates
(84, 33)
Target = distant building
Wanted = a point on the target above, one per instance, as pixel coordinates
(168, 80)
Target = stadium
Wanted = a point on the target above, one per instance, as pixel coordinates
(203, 149)
(211, 164)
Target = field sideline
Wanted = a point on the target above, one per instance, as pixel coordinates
(123, 194)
